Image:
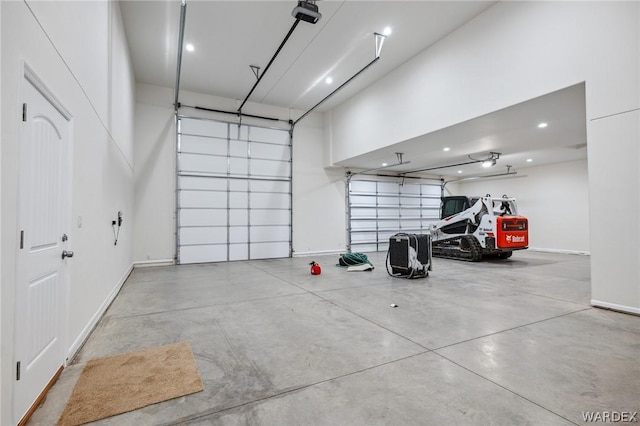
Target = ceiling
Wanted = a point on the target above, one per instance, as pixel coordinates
(229, 36)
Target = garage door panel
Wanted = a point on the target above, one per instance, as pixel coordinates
(410, 189)
(203, 128)
(202, 199)
(238, 200)
(389, 201)
(203, 217)
(203, 145)
(431, 190)
(363, 187)
(239, 185)
(270, 168)
(363, 224)
(203, 253)
(238, 251)
(389, 213)
(203, 235)
(203, 164)
(269, 250)
(389, 225)
(411, 224)
(202, 183)
(363, 237)
(238, 148)
(239, 218)
(388, 188)
(238, 166)
(238, 234)
(261, 134)
(406, 201)
(363, 200)
(269, 233)
(361, 213)
(410, 213)
(431, 202)
(270, 151)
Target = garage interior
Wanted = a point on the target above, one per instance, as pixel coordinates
(212, 149)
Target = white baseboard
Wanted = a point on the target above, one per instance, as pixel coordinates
(560, 251)
(615, 307)
(86, 331)
(155, 262)
(317, 253)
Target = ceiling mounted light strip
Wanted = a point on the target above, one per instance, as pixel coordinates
(379, 38)
(183, 16)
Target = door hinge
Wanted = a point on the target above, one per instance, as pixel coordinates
(18, 371)
(21, 240)
(24, 112)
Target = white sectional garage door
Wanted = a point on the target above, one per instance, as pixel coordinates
(234, 192)
(378, 209)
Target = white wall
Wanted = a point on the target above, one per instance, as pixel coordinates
(318, 194)
(78, 50)
(511, 53)
(155, 181)
(555, 199)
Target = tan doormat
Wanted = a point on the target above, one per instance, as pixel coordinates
(121, 383)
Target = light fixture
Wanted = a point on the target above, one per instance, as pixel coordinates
(386, 31)
(542, 125)
(379, 42)
(487, 160)
(459, 171)
(529, 160)
(307, 10)
(384, 164)
(190, 47)
(328, 80)
(446, 149)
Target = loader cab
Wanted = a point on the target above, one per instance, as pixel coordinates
(454, 205)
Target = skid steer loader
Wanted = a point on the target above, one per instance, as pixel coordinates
(471, 228)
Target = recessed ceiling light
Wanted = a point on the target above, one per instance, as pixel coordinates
(542, 125)
(328, 80)
(529, 160)
(384, 164)
(386, 31)
(459, 171)
(446, 148)
(190, 47)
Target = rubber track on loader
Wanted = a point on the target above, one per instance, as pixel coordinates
(464, 247)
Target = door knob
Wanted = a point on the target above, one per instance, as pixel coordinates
(66, 253)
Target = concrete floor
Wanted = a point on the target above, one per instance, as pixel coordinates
(496, 342)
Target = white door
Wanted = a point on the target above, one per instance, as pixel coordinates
(43, 219)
